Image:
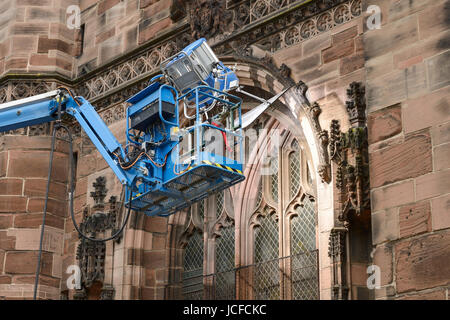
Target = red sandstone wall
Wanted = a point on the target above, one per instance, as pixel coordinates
(34, 37)
(23, 179)
(409, 120)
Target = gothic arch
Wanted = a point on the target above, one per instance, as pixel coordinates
(300, 118)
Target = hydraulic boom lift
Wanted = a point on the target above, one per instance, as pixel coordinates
(165, 166)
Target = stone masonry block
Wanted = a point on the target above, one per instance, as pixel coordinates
(415, 219)
(385, 123)
(441, 157)
(385, 226)
(23, 262)
(392, 196)
(440, 212)
(439, 71)
(410, 159)
(391, 37)
(428, 110)
(423, 262)
(433, 185)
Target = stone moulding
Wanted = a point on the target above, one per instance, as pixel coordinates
(91, 255)
(270, 19)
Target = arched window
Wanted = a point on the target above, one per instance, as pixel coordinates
(282, 260)
(284, 241)
(192, 277)
(193, 268)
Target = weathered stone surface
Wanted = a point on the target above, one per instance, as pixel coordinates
(428, 110)
(47, 14)
(158, 242)
(16, 63)
(42, 60)
(58, 208)
(105, 5)
(34, 164)
(154, 259)
(105, 35)
(11, 204)
(383, 258)
(345, 35)
(423, 263)
(7, 242)
(338, 51)
(379, 66)
(11, 187)
(155, 224)
(433, 185)
(415, 219)
(385, 226)
(441, 157)
(439, 71)
(440, 134)
(384, 123)
(410, 159)
(3, 163)
(6, 221)
(352, 63)
(306, 63)
(386, 90)
(392, 196)
(440, 212)
(23, 262)
(391, 37)
(38, 188)
(45, 44)
(34, 220)
(148, 32)
(421, 50)
(27, 28)
(433, 20)
(433, 295)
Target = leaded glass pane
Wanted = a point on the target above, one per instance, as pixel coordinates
(266, 273)
(266, 240)
(225, 276)
(201, 209)
(304, 254)
(266, 280)
(305, 279)
(193, 268)
(303, 228)
(294, 173)
(220, 202)
(274, 178)
(259, 195)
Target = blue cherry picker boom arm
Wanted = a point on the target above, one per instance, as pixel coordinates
(164, 167)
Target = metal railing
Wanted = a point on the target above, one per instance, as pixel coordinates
(294, 277)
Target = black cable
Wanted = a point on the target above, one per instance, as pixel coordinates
(38, 268)
(71, 187)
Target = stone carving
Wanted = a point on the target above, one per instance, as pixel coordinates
(350, 152)
(356, 107)
(208, 18)
(313, 112)
(295, 25)
(337, 253)
(90, 254)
